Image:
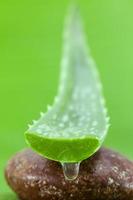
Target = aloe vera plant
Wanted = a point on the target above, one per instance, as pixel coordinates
(76, 125)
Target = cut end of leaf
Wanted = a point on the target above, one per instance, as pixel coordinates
(61, 149)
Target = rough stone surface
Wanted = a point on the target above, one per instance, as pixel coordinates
(105, 176)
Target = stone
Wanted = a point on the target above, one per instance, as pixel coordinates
(106, 175)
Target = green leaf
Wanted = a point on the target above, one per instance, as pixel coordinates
(76, 125)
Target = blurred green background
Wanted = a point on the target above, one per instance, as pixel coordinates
(30, 52)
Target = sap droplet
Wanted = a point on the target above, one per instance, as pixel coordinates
(71, 170)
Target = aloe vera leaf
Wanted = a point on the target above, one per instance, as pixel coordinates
(76, 125)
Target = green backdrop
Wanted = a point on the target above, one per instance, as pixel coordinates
(30, 52)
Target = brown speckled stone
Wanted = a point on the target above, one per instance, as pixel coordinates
(105, 176)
